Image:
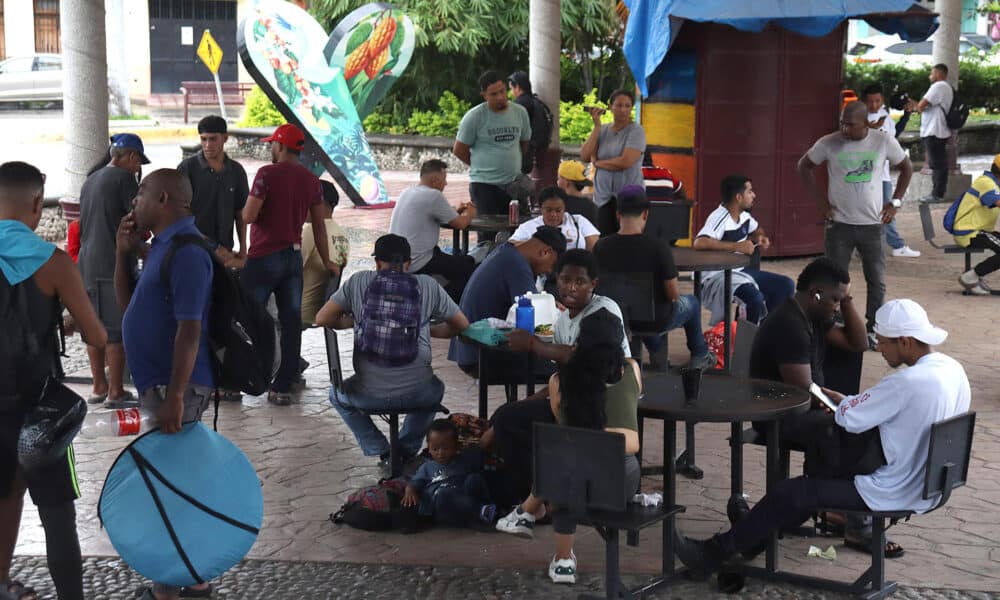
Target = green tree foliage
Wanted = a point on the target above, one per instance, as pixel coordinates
(442, 122)
(978, 82)
(259, 111)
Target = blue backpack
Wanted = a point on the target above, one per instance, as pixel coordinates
(389, 330)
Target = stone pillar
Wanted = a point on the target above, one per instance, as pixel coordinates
(946, 51)
(85, 90)
(120, 105)
(544, 45)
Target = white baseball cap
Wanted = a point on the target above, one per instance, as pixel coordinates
(906, 318)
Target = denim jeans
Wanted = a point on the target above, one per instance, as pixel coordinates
(686, 313)
(892, 236)
(280, 274)
(841, 240)
(459, 507)
(771, 292)
(350, 402)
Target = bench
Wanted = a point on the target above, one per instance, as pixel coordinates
(927, 223)
(583, 470)
(203, 93)
(948, 456)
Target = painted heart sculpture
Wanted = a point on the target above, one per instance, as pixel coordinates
(327, 84)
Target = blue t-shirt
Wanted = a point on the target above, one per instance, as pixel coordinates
(433, 476)
(504, 275)
(149, 325)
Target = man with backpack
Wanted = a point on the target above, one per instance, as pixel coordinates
(934, 130)
(539, 116)
(166, 319)
(391, 311)
(35, 277)
(972, 220)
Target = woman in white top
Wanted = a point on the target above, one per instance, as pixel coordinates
(579, 232)
(616, 150)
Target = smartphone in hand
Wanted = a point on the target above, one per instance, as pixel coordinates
(818, 393)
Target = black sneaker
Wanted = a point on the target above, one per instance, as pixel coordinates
(737, 509)
(703, 557)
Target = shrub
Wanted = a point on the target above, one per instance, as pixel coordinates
(978, 81)
(260, 111)
(443, 122)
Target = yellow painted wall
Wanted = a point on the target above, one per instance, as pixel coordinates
(668, 124)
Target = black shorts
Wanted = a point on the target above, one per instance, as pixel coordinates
(50, 485)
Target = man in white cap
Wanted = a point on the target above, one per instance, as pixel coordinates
(903, 406)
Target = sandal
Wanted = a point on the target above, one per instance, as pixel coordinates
(127, 401)
(144, 593)
(190, 592)
(97, 398)
(892, 549)
(833, 524)
(15, 590)
(279, 398)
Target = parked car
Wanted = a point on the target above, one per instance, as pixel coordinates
(890, 49)
(37, 77)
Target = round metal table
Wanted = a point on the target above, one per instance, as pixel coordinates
(485, 224)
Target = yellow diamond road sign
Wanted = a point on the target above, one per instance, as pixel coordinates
(209, 52)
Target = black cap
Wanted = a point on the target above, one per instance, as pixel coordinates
(520, 79)
(392, 248)
(552, 237)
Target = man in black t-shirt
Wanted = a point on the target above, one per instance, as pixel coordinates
(631, 251)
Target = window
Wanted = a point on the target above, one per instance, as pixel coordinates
(16, 65)
(47, 26)
(48, 63)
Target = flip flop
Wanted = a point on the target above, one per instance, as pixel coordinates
(15, 590)
(892, 549)
(127, 401)
(97, 398)
(189, 592)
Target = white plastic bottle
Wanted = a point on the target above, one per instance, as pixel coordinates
(117, 423)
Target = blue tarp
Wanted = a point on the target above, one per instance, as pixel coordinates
(653, 24)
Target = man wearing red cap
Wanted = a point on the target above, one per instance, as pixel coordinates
(283, 195)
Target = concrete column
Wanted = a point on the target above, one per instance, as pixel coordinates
(946, 37)
(118, 88)
(544, 45)
(85, 90)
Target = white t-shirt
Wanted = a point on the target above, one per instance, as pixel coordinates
(575, 228)
(720, 226)
(888, 127)
(932, 122)
(903, 406)
(566, 329)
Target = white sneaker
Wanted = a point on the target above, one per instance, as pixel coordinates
(518, 523)
(563, 570)
(905, 252)
(979, 290)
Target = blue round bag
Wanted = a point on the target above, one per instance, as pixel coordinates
(182, 508)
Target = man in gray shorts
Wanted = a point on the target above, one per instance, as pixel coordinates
(105, 198)
(165, 323)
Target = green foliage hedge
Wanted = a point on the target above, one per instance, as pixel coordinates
(979, 82)
(259, 111)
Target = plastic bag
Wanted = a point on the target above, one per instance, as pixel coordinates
(715, 340)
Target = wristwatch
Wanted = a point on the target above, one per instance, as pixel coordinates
(896, 203)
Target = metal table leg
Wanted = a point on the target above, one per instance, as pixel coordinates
(773, 478)
(456, 243)
(685, 461)
(670, 496)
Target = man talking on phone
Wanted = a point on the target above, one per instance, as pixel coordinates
(731, 228)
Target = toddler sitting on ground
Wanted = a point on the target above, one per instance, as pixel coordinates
(449, 487)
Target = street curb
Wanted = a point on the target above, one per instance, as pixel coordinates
(168, 133)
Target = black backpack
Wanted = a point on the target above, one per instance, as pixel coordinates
(541, 125)
(19, 344)
(242, 335)
(958, 113)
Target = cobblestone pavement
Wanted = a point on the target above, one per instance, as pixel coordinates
(309, 461)
(110, 579)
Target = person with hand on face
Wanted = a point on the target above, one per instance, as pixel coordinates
(418, 216)
(579, 232)
(39, 275)
(106, 197)
(491, 139)
(165, 329)
(616, 150)
(220, 189)
(852, 204)
(902, 406)
(283, 196)
(731, 228)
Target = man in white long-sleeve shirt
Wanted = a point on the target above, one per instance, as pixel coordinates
(903, 406)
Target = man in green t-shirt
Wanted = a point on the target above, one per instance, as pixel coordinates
(491, 138)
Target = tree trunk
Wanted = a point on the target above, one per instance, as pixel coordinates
(946, 38)
(85, 93)
(120, 104)
(544, 44)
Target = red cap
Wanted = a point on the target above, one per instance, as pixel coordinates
(289, 135)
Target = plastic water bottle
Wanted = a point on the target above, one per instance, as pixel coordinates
(117, 423)
(524, 317)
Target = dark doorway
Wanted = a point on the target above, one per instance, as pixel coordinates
(174, 23)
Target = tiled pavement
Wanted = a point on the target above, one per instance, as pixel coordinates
(309, 461)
